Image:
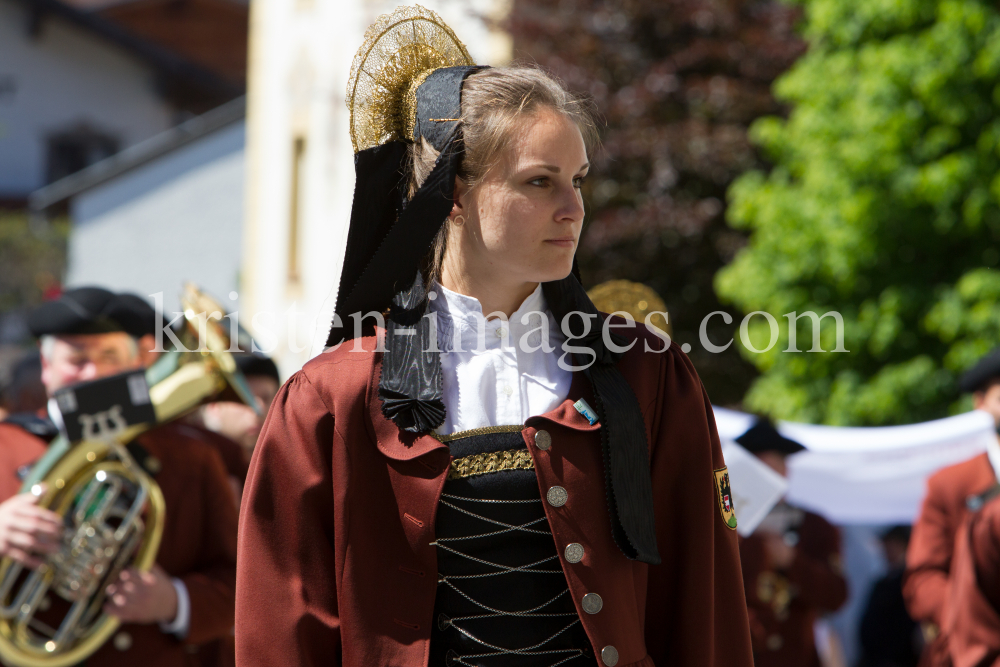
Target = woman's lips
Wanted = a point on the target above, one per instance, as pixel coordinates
(562, 243)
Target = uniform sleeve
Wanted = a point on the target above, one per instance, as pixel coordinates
(928, 560)
(212, 586)
(696, 613)
(286, 594)
(816, 572)
(971, 619)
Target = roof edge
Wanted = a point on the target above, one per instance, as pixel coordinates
(160, 58)
(135, 156)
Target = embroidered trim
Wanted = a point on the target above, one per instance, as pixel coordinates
(484, 430)
(482, 464)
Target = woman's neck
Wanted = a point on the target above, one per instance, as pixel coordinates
(493, 295)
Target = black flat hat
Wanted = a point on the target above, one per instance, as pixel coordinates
(763, 437)
(979, 376)
(92, 310)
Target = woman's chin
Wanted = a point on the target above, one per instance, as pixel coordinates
(553, 270)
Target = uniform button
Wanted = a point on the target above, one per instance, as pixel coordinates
(543, 440)
(775, 642)
(153, 465)
(574, 552)
(609, 656)
(501, 332)
(508, 389)
(592, 603)
(557, 496)
(123, 641)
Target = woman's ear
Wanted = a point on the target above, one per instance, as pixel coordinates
(458, 203)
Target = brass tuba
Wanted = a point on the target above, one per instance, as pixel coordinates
(112, 510)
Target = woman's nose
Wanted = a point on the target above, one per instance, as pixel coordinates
(571, 206)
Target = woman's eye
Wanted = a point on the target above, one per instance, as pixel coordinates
(541, 181)
(579, 181)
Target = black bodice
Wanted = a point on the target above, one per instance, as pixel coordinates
(502, 598)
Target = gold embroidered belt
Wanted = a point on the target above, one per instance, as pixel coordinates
(481, 464)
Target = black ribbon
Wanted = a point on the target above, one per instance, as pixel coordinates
(410, 385)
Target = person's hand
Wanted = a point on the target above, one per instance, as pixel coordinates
(779, 554)
(142, 597)
(28, 532)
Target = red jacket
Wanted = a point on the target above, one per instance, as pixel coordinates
(929, 556)
(335, 560)
(971, 620)
(784, 605)
(198, 546)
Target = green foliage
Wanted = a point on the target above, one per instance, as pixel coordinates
(883, 204)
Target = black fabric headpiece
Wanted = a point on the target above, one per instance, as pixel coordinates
(92, 310)
(388, 238)
(763, 437)
(982, 373)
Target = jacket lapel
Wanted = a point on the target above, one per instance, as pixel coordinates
(392, 441)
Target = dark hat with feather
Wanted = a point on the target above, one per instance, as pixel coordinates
(406, 86)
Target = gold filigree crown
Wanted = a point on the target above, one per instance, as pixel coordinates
(400, 50)
(636, 299)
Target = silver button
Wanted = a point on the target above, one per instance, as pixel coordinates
(501, 332)
(557, 496)
(574, 552)
(592, 603)
(609, 656)
(543, 440)
(123, 641)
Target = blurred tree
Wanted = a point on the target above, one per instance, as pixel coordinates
(883, 205)
(32, 259)
(678, 82)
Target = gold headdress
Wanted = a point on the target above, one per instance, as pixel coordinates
(636, 299)
(400, 50)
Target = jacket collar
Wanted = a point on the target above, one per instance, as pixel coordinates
(404, 446)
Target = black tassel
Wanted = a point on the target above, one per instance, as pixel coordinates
(627, 479)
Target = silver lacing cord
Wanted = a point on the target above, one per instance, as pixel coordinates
(500, 570)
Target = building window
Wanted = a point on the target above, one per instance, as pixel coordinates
(73, 150)
(295, 209)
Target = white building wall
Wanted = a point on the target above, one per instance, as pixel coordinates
(300, 60)
(178, 218)
(65, 77)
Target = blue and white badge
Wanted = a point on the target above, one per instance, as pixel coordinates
(584, 409)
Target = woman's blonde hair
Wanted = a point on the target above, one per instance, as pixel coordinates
(494, 103)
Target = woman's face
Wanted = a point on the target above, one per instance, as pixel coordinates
(523, 221)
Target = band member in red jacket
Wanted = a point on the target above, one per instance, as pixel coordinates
(187, 599)
(791, 567)
(945, 509)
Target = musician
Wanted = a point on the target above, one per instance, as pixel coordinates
(926, 585)
(456, 502)
(187, 598)
(791, 567)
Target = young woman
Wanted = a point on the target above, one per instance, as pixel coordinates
(497, 475)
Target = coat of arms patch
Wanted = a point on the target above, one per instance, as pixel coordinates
(724, 492)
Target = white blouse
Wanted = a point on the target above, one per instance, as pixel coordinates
(497, 373)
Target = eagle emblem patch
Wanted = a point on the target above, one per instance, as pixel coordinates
(724, 492)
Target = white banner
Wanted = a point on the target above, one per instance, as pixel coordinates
(869, 475)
